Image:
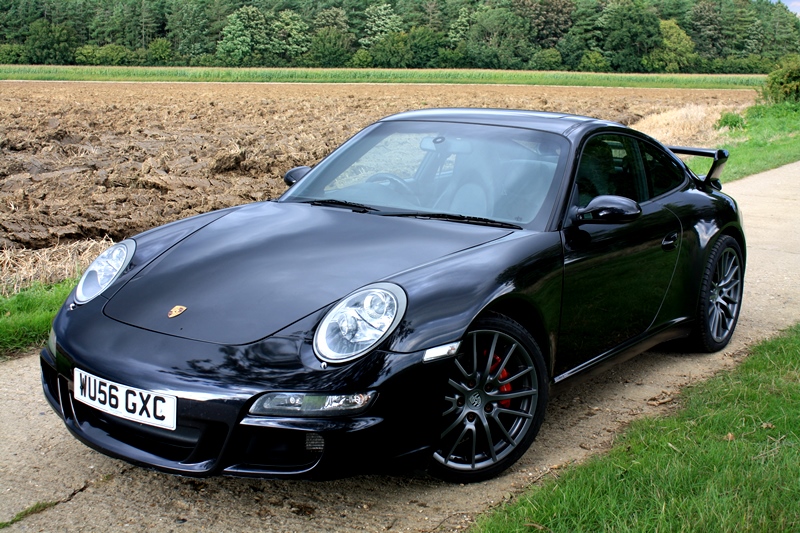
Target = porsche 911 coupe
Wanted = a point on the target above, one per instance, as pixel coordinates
(410, 300)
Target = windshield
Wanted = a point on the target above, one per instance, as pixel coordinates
(439, 168)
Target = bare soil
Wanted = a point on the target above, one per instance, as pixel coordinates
(41, 462)
(85, 160)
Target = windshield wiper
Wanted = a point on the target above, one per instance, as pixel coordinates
(453, 218)
(357, 208)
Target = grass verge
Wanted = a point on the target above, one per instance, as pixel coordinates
(25, 317)
(769, 138)
(729, 460)
(311, 75)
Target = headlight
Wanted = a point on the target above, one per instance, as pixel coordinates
(104, 270)
(359, 322)
(311, 404)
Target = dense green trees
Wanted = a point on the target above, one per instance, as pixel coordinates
(631, 31)
(596, 35)
(675, 53)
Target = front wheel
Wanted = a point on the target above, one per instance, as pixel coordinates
(720, 296)
(494, 401)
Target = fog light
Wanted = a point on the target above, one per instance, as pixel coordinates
(311, 404)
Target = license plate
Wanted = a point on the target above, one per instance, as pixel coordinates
(146, 407)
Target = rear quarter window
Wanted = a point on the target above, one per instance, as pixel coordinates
(663, 172)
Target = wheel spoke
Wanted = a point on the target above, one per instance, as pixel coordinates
(452, 426)
(460, 387)
(730, 268)
(461, 369)
(725, 308)
(516, 376)
(489, 360)
(489, 438)
(453, 406)
(731, 276)
(722, 323)
(731, 292)
(513, 412)
(474, 445)
(498, 397)
(474, 354)
(503, 363)
(714, 325)
(456, 443)
(507, 435)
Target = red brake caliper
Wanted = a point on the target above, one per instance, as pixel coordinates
(503, 375)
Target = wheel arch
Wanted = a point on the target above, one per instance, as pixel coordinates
(527, 315)
(736, 233)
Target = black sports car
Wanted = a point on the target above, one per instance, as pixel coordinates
(410, 300)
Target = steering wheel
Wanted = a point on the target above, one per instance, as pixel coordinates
(395, 182)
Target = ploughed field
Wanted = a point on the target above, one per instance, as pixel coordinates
(84, 160)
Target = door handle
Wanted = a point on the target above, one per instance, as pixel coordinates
(670, 242)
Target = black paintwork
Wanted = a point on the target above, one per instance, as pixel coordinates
(257, 279)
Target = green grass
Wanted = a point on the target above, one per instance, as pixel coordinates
(33, 509)
(309, 75)
(25, 317)
(729, 460)
(770, 138)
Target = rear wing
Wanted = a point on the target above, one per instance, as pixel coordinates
(720, 157)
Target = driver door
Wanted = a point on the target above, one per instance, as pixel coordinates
(615, 275)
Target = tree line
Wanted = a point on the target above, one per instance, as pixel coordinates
(710, 36)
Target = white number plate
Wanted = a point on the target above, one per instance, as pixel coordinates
(153, 409)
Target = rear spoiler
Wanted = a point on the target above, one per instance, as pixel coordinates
(720, 157)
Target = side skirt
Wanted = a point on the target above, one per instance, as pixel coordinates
(675, 329)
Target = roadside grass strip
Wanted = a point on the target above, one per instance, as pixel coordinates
(769, 138)
(728, 460)
(353, 75)
(25, 317)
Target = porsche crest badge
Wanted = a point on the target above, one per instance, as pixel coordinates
(175, 311)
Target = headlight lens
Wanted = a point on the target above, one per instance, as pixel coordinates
(104, 270)
(311, 404)
(359, 322)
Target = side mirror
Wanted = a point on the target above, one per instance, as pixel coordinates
(294, 175)
(608, 210)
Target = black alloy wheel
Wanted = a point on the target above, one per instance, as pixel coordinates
(720, 296)
(494, 401)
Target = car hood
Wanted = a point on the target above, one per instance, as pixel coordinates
(264, 266)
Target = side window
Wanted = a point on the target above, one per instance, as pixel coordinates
(663, 172)
(606, 167)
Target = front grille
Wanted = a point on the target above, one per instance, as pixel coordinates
(277, 450)
(190, 442)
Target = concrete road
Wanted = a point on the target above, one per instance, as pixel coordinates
(41, 462)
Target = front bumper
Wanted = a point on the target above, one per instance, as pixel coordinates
(215, 435)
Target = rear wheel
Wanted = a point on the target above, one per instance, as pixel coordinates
(494, 401)
(720, 296)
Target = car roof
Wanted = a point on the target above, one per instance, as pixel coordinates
(561, 123)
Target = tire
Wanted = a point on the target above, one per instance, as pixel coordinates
(720, 298)
(494, 401)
